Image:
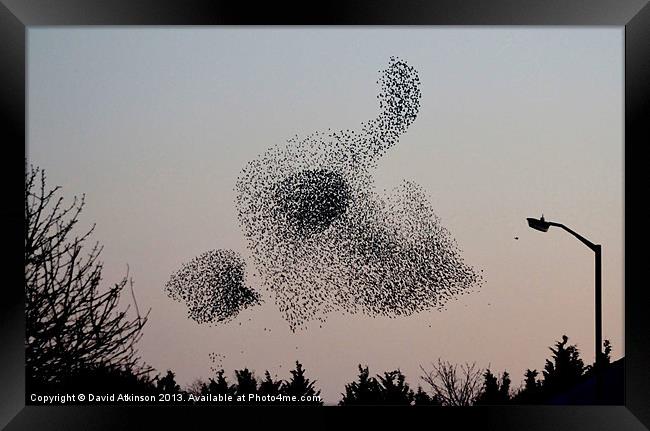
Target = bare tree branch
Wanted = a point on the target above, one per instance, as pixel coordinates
(70, 322)
(452, 384)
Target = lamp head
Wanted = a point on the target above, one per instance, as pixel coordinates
(538, 224)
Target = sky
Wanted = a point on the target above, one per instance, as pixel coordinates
(155, 124)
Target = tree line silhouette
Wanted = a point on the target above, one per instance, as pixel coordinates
(78, 340)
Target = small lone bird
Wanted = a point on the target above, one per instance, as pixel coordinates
(516, 237)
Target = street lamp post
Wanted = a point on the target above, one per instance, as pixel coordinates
(542, 226)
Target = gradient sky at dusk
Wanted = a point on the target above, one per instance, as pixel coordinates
(154, 125)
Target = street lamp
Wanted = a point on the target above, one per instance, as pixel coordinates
(542, 226)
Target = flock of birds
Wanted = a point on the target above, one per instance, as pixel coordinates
(322, 239)
(212, 286)
(217, 361)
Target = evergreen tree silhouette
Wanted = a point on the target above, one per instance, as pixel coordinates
(564, 370)
(390, 388)
(607, 351)
(365, 391)
(532, 385)
(394, 390)
(246, 383)
(300, 386)
(490, 392)
(532, 390)
(421, 398)
(605, 360)
(504, 388)
(167, 384)
(218, 386)
(493, 391)
(268, 386)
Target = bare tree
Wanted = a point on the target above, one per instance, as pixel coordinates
(70, 322)
(195, 387)
(454, 385)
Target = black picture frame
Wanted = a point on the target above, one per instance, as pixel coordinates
(17, 16)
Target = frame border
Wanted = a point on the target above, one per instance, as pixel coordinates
(16, 16)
